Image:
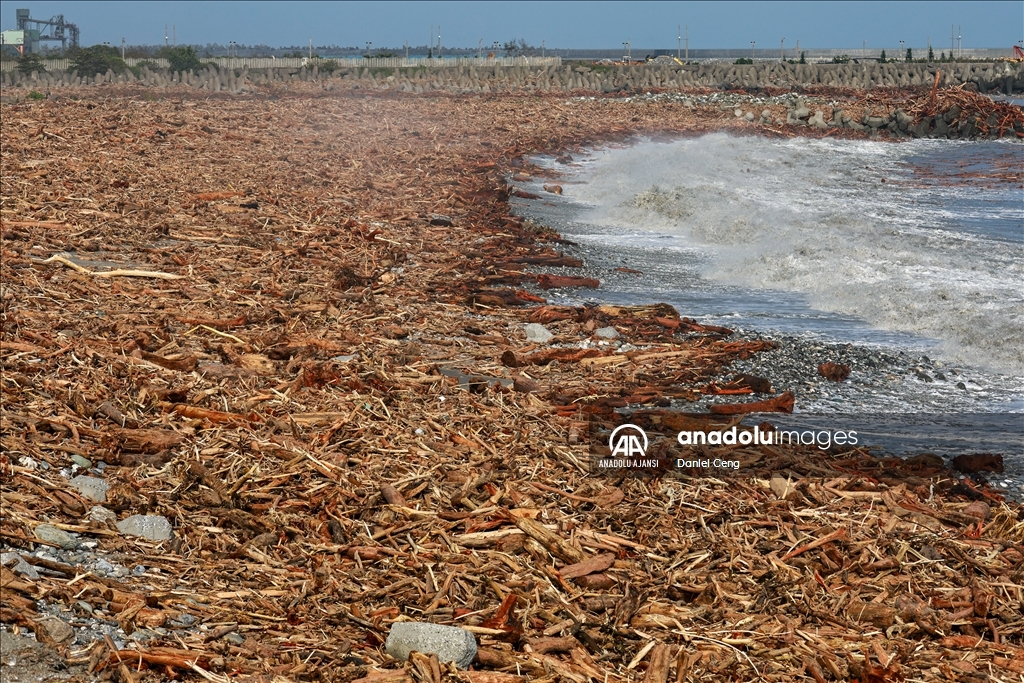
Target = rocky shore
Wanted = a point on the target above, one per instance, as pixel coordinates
(279, 374)
(985, 77)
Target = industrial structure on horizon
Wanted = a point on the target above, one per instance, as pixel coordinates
(30, 32)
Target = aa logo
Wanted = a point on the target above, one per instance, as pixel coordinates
(625, 441)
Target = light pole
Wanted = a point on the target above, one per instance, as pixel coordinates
(902, 53)
(231, 44)
(752, 43)
(679, 41)
(543, 49)
(782, 49)
(368, 44)
(627, 46)
(122, 48)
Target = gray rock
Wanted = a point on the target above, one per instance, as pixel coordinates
(100, 514)
(151, 527)
(84, 463)
(749, 116)
(184, 620)
(51, 534)
(91, 488)
(737, 113)
(606, 332)
(537, 333)
(19, 565)
(103, 567)
(449, 643)
(53, 631)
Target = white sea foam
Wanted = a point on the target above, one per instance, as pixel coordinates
(941, 260)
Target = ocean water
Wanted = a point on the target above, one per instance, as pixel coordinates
(915, 247)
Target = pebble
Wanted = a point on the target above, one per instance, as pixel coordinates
(537, 333)
(606, 332)
(84, 463)
(100, 514)
(449, 643)
(91, 487)
(151, 527)
(59, 537)
(53, 631)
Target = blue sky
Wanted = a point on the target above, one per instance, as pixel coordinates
(577, 25)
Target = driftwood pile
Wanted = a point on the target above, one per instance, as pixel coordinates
(294, 328)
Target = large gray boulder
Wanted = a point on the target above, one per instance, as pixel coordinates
(449, 643)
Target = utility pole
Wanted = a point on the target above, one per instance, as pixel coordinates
(174, 34)
(439, 41)
(430, 41)
(167, 40)
(687, 44)
(752, 49)
(122, 48)
(959, 43)
(782, 49)
(480, 48)
(543, 48)
(310, 48)
(679, 41)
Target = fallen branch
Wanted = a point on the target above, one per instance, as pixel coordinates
(112, 273)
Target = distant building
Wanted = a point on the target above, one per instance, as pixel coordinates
(25, 42)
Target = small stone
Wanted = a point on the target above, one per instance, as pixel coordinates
(19, 565)
(234, 638)
(51, 534)
(737, 113)
(538, 334)
(344, 359)
(92, 488)
(84, 463)
(184, 620)
(979, 509)
(54, 632)
(782, 488)
(151, 527)
(141, 635)
(606, 332)
(525, 385)
(449, 643)
(103, 567)
(102, 515)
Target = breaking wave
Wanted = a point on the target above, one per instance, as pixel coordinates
(875, 230)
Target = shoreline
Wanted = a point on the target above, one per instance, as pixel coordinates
(278, 402)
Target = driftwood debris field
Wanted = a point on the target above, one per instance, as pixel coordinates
(291, 327)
